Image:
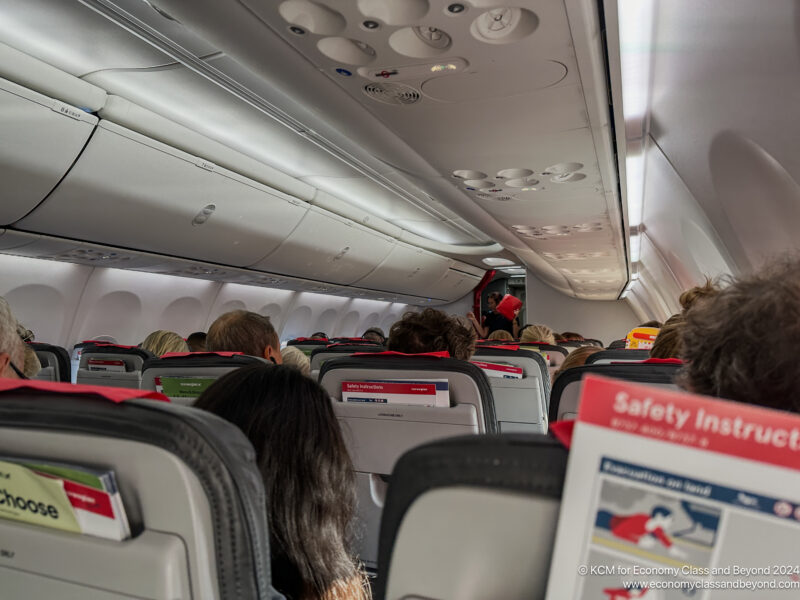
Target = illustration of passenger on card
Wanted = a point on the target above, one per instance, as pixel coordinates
(641, 528)
(653, 526)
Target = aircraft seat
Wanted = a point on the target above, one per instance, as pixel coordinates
(128, 374)
(520, 404)
(378, 434)
(55, 362)
(471, 518)
(308, 345)
(191, 489)
(183, 376)
(337, 350)
(565, 397)
(606, 357)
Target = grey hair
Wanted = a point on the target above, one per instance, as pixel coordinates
(10, 341)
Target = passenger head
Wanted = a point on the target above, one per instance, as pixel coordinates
(320, 334)
(668, 342)
(12, 348)
(307, 473)
(559, 337)
(725, 345)
(246, 332)
(197, 342)
(430, 331)
(493, 299)
(655, 324)
(162, 342)
(698, 293)
(374, 334)
(571, 336)
(538, 333)
(501, 335)
(576, 358)
(294, 357)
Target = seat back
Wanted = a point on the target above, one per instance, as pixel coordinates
(565, 397)
(188, 481)
(617, 345)
(520, 404)
(378, 434)
(606, 357)
(118, 366)
(472, 518)
(308, 345)
(182, 377)
(338, 350)
(55, 362)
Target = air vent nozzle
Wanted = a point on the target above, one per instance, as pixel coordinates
(397, 94)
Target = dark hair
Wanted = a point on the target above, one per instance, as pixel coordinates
(197, 341)
(741, 344)
(660, 510)
(496, 296)
(242, 331)
(571, 336)
(320, 334)
(576, 358)
(653, 323)
(307, 472)
(374, 334)
(668, 341)
(429, 331)
(698, 293)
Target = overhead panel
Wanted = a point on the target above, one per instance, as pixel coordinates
(132, 191)
(328, 248)
(41, 138)
(407, 270)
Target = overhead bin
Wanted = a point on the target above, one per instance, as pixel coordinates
(407, 270)
(132, 191)
(41, 138)
(327, 247)
(454, 285)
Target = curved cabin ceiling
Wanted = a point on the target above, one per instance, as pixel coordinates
(450, 130)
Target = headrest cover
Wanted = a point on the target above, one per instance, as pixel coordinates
(440, 354)
(113, 394)
(507, 347)
(205, 353)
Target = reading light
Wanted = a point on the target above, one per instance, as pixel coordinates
(443, 67)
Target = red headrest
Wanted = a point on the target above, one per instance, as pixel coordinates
(206, 353)
(440, 354)
(113, 394)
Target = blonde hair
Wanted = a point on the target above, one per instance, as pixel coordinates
(293, 357)
(32, 364)
(163, 342)
(501, 335)
(538, 333)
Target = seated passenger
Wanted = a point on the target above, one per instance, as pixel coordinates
(668, 341)
(538, 333)
(308, 477)
(698, 293)
(654, 324)
(246, 332)
(501, 335)
(570, 336)
(12, 348)
(374, 334)
(320, 335)
(576, 358)
(162, 342)
(197, 342)
(430, 331)
(741, 344)
(294, 357)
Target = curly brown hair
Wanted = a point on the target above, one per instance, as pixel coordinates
(724, 341)
(429, 331)
(698, 293)
(668, 342)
